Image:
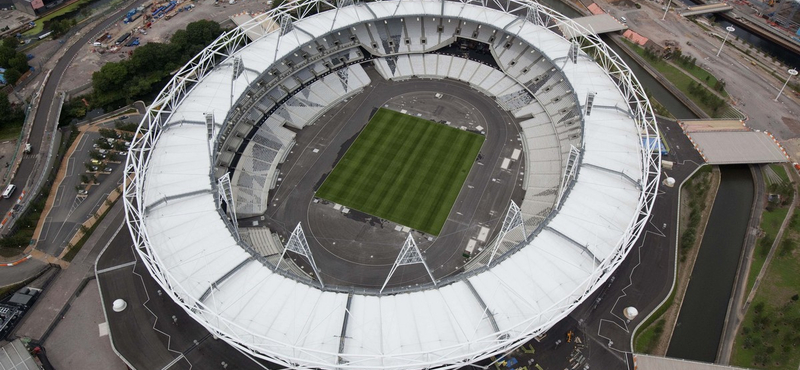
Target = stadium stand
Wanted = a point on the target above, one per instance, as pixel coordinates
(257, 169)
(262, 240)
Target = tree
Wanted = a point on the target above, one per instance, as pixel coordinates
(61, 27)
(277, 3)
(150, 66)
(19, 62)
(103, 144)
(109, 84)
(12, 76)
(111, 76)
(6, 110)
(108, 133)
(9, 43)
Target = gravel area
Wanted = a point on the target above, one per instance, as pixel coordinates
(91, 58)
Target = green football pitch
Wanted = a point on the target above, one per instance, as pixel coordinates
(404, 169)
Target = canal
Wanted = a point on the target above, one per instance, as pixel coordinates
(653, 87)
(781, 53)
(702, 316)
(84, 10)
(705, 305)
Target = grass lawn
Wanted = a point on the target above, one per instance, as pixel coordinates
(680, 79)
(404, 169)
(10, 132)
(39, 27)
(769, 335)
(781, 171)
(702, 74)
(770, 223)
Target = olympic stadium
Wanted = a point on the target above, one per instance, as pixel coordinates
(227, 194)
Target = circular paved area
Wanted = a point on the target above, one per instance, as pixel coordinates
(359, 249)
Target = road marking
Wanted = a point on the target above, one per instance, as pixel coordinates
(57, 202)
(81, 144)
(70, 166)
(45, 229)
(117, 267)
(103, 329)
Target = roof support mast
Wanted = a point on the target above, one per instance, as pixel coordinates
(512, 221)
(297, 243)
(224, 193)
(409, 255)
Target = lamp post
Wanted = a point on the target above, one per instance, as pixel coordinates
(792, 72)
(669, 2)
(729, 29)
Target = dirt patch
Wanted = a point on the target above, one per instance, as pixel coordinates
(793, 124)
(623, 3)
(90, 58)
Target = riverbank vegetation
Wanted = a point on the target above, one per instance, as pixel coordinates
(769, 336)
(39, 25)
(696, 191)
(696, 83)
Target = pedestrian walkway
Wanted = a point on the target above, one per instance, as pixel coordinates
(38, 322)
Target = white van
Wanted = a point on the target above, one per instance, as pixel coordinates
(9, 190)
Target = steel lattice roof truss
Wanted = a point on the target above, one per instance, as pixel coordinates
(225, 194)
(512, 221)
(298, 244)
(569, 172)
(409, 255)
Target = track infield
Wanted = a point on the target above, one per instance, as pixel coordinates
(404, 169)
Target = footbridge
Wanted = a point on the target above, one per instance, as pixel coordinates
(596, 24)
(732, 142)
(705, 9)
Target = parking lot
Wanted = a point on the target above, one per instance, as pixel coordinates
(93, 171)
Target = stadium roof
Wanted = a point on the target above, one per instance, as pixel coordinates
(191, 251)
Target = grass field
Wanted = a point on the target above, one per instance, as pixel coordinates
(404, 169)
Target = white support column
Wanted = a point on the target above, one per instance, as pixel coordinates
(589, 103)
(409, 255)
(512, 221)
(225, 193)
(574, 50)
(298, 244)
(569, 172)
(211, 129)
(238, 67)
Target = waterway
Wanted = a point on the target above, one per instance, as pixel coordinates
(705, 305)
(781, 53)
(702, 316)
(653, 87)
(83, 11)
